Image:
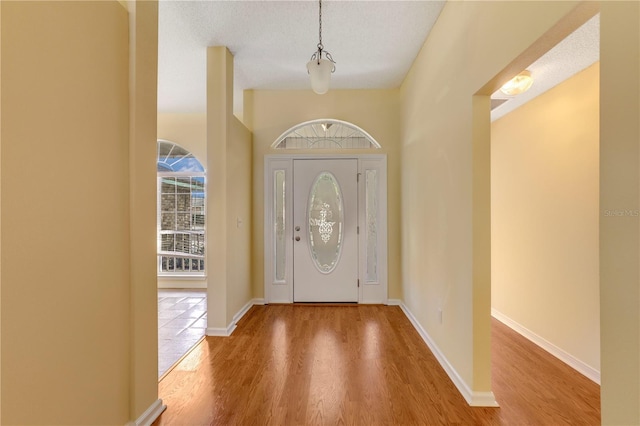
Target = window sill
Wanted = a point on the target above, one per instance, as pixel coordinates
(182, 277)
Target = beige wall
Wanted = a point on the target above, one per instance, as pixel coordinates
(270, 113)
(219, 90)
(187, 130)
(620, 191)
(0, 213)
(239, 183)
(228, 197)
(65, 213)
(445, 173)
(544, 216)
(143, 65)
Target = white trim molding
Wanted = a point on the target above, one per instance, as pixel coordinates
(573, 362)
(474, 399)
(219, 331)
(238, 316)
(225, 332)
(182, 283)
(150, 415)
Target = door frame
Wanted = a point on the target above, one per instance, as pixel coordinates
(372, 291)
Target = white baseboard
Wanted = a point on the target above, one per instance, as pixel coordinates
(150, 415)
(394, 302)
(281, 301)
(562, 355)
(238, 316)
(218, 332)
(224, 332)
(474, 399)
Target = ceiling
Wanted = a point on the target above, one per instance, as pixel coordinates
(373, 42)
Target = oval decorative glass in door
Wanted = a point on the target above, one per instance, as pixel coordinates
(325, 213)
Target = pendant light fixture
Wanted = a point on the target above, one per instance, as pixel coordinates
(319, 68)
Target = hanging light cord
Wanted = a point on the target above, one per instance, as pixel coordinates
(320, 46)
(317, 56)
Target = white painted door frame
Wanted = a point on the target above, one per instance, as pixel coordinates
(372, 247)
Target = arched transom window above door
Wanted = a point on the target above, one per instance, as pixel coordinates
(325, 134)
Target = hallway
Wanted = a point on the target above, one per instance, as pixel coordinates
(292, 364)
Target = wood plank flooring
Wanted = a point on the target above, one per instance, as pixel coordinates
(361, 365)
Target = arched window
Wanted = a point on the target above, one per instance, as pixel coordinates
(325, 134)
(181, 211)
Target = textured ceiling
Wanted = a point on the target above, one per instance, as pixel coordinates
(373, 42)
(572, 55)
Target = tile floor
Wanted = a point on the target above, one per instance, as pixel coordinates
(182, 321)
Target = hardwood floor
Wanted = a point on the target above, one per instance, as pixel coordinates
(361, 365)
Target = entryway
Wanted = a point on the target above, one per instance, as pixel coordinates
(325, 228)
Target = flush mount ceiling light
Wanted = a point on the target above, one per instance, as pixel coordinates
(319, 68)
(518, 84)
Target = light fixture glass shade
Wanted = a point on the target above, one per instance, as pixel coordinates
(518, 84)
(320, 73)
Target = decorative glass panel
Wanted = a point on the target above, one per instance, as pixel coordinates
(325, 215)
(371, 206)
(326, 134)
(279, 224)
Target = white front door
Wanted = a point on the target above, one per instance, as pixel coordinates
(325, 220)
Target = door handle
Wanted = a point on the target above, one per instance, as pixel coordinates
(297, 238)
